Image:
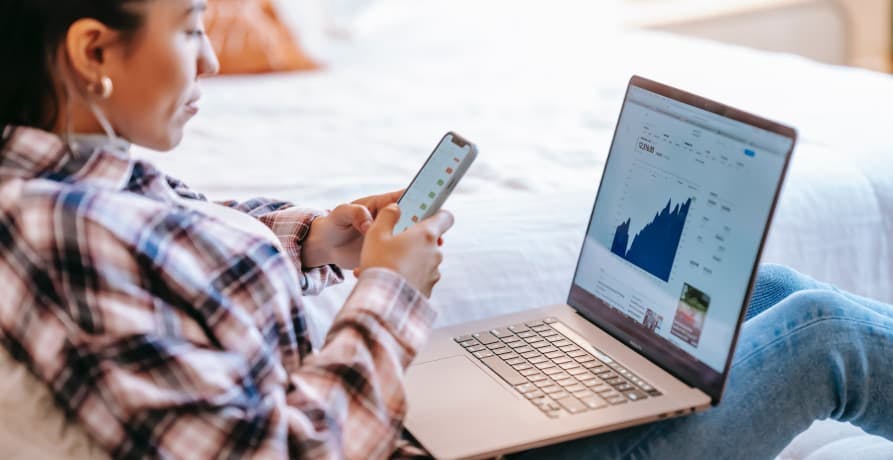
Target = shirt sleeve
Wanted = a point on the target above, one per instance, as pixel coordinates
(181, 352)
(291, 228)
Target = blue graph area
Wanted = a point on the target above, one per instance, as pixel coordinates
(654, 248)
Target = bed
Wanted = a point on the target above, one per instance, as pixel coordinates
(538, 86)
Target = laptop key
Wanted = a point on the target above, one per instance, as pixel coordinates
(585, 359)
(594, 365)
(528, 372)
(575, 387)
(463, 338)
(624, 387)
(541, 401)
(483, 354)
(550, 320)
(554, 354)
(575, 353)
(476, 348)
(501, 332)
(518, 328)
(535, 376)
(561, 360)
(635, 395)
(548, 349)
(502, 350)
(559, 395)
(504, 370)
(522, 367)
(562, 343)
(534, 394)
(525, 388)
(538, 359)
(544, 365)
(572, 405)
(614, 400)
(469, 343)
(545, 383)
(577, 372)
(512, 340)
(550, 389)
(527, 334)
(594, 402)
(569, 365)
(569, 348)
(534, 323)
(509, 355)
(496, 345)
(542, 328)
(553, 369)
(531, 354)
(515, 361)
(485, 338)
(539, 344)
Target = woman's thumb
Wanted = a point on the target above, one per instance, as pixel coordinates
(385, 221)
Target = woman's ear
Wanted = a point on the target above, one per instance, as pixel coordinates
(86, 44)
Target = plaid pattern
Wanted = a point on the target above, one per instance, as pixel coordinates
(166, 333)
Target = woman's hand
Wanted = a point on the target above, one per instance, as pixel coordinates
(338, 238)
(415, 253)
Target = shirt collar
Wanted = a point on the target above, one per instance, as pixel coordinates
(29, 153)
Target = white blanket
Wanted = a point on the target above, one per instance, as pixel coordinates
(539, 90)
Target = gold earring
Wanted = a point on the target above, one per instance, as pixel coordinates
(103, 89)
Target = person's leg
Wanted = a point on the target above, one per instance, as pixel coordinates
(775, 283)
(817, 354)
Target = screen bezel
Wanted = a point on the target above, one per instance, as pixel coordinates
(650, 345)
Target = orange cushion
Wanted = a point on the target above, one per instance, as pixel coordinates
(250, 37)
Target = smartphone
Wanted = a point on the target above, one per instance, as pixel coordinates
(436, 180)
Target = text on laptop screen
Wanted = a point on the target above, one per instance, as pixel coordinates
(678, 222)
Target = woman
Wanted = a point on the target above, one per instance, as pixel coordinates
(170, 326)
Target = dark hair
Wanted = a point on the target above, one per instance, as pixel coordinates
(31, 32)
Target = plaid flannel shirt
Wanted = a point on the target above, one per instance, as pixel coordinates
(167, 333)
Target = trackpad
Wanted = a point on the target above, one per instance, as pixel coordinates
(451, 400)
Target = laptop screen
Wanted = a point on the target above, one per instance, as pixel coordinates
(678, 224)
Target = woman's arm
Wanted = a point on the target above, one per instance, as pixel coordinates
(290, 224)
(181, 338)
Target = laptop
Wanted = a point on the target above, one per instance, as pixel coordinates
(657, 301)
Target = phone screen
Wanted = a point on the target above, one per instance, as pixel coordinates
(437, 177)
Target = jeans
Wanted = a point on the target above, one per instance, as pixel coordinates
(807, 351)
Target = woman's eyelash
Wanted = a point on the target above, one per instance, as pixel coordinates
(196, 32)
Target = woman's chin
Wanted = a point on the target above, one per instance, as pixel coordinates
(166, 142)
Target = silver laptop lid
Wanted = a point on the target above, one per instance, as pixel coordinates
(679, 221)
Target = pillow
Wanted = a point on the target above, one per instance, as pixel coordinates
(250, 37)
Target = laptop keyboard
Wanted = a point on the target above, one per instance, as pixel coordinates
(554, 373)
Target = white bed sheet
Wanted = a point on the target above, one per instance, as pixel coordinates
(539, 90)
(538, 86)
